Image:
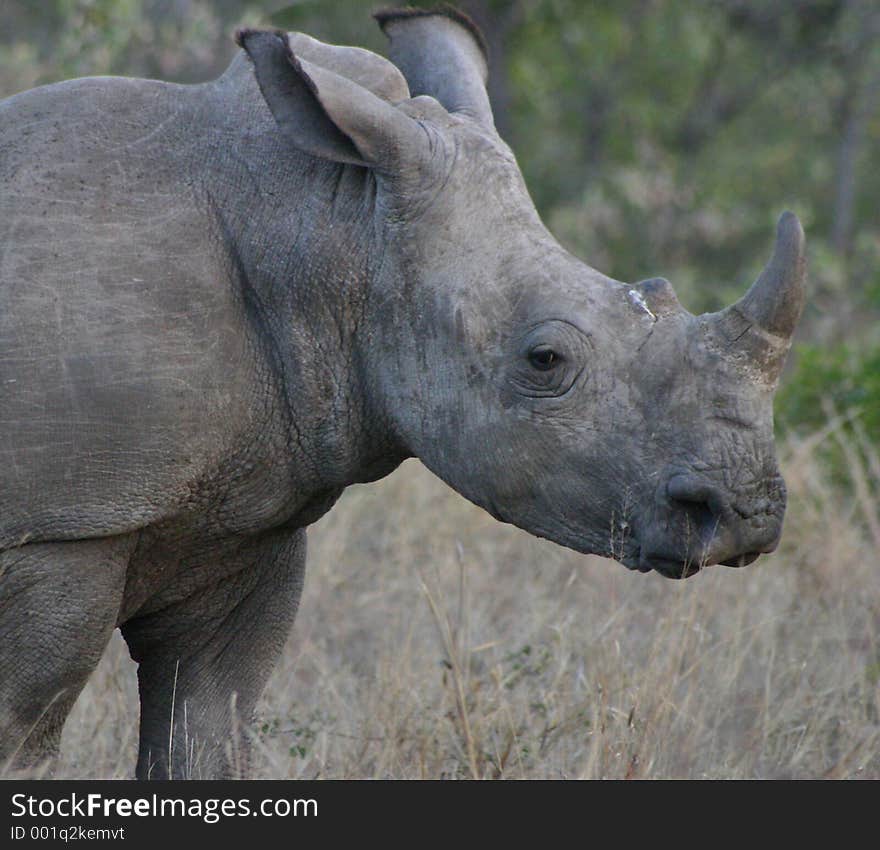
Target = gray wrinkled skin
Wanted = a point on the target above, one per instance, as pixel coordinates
(223, 304)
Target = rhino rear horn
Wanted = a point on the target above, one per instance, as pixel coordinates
(442, 53)
(775, 300)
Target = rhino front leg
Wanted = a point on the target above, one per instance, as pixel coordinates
(205, 661)
(58, 607)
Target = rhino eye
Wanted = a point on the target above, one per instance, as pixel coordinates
(543, 358)
(550, 356)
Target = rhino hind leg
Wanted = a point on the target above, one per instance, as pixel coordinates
(58, 609)
(204, 661)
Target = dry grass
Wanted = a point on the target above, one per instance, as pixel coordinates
(434, 642)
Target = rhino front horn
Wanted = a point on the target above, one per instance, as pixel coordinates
(776, 298)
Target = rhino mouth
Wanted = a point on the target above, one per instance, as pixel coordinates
(684, 567)
(741, 560)
(670, 567)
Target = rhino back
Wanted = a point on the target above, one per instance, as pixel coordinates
(128, 368)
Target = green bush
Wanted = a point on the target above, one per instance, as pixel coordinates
(842, 377)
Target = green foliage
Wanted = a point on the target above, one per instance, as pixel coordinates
(840, 378)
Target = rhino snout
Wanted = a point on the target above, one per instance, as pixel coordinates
(699, 523)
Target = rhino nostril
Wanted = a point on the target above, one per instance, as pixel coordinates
(704, 503)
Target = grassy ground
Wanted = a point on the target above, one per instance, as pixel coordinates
(434, 642)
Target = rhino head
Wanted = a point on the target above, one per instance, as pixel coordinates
(598, 414)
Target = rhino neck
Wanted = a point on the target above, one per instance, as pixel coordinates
(303, 246)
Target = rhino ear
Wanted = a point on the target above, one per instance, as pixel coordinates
(325, 114)
(442, 53)
(367, 69)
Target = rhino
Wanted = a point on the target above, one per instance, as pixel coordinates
(222, 304)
